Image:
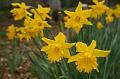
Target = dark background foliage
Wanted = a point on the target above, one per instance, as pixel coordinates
(5, 6)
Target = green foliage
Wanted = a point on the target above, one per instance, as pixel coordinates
(14, 59)
(107, 39)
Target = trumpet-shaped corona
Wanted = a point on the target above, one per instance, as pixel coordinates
(57, 49)
(86, 59)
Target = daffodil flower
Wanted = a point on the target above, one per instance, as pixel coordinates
(58, 48)
(41, 12)
(117, 11)
(78, 18)
(98, 9)
(20, 12)
(11, 32)
(86, 59)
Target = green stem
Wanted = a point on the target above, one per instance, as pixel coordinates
(104, 75)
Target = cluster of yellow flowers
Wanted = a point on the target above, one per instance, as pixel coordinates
(86, 58)
(32, 26)
(77, 19)
(57, 49)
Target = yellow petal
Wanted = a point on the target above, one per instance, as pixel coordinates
(49, 17)
(79, 7)
(95, 1)
(78, 28)
(60, 37)
(68, 13)
(93, 44)
(91, 6)
(46, 10)
(39, 6)
(16, 4)
(48, 41)
(44, 48)
(69, 45)
(73, 58)
(66, 53)
(100, 53)
(87, 13)
(102, 2)
(81, 47)
(47, 25)
(28, 13)
(89, 23)
(41, 33)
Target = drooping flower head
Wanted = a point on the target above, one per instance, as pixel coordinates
(78, 18)
(98, 9)
(58, 48)
(86, 59)
(20, 12)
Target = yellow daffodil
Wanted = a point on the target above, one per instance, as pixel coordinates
(98, 9)
(32, 26)
(57, 49)
(78, 18)
(23, 34)
(86, 59)
(109, 16)
(117, 11)
(99, 25)
(20, 12)
(42, 12)
(36, 25)
(109, 19)
(11, 32)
